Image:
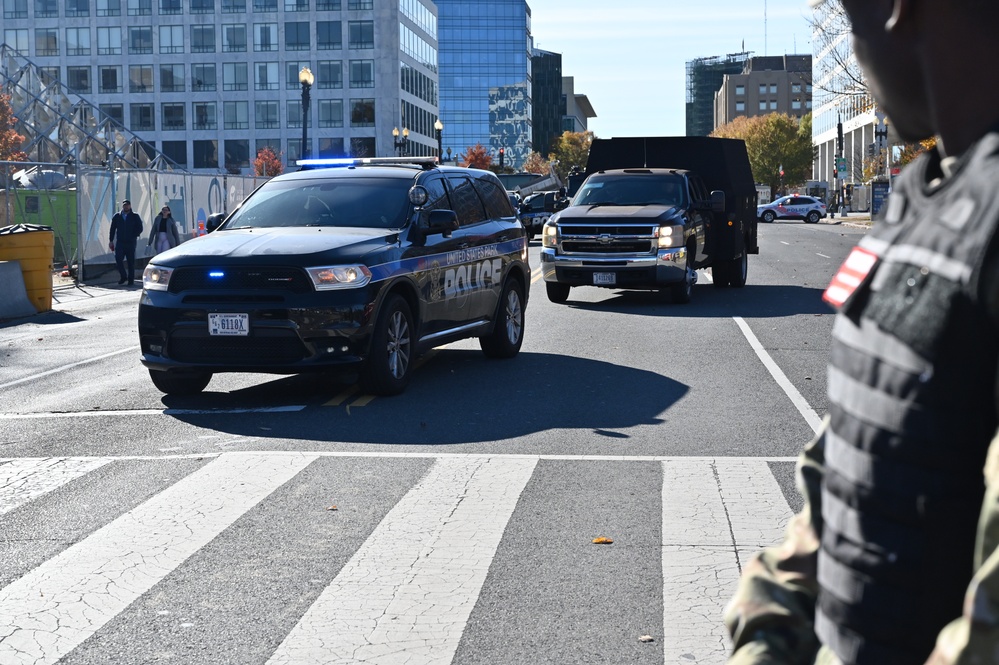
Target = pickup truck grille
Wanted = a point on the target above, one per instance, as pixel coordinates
(608, 239)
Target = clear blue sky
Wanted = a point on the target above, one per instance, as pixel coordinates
(629, 57)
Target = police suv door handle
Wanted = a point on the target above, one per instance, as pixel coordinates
(463, 245)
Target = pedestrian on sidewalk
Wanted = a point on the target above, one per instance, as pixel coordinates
(895, 557)
(164, 234)
(126, 227)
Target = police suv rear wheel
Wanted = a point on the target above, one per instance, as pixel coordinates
(387, 369)
(557, 293)
(813, 217)
(180, 383)
(508, 330)
(768, 216)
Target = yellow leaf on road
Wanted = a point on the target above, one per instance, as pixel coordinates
(602, 540)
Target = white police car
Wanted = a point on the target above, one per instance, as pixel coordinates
(807, 208)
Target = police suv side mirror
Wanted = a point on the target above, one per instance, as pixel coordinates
(214, 221)
(718, 201)
(442, 221)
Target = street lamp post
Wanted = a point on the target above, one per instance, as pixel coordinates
(881, 132)
(439, 130)
(448, 154)
(306, 78)
(400, 142)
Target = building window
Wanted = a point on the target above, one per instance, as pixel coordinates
(329, 74)
(234, 38)
(175, 151)
(808, 104)
(808, 88)
(172, 78)
(291, 70)
(361, 34)
(362, 113)
(171, 39)
(331, 146)
(109, 79)
(235, 115)
(773, 88)
(265, 5)
(296, 5)
(140, 78)
(114, 112)
(360, 4)
(46, 41)
(204, 115)
(293, 111)
(15, 8)
(266, 115)
(49, 74)
(796, 104)
(740, 107)
(773, 105)
(77, 8)
(203, 78)
(141, 117)
(202, 39)
(233, 6)
(108, 41)
(296, 36)
(329, 35)
(362, 73)
(140, 40)
(172, 117)
(740, 90)
(265, 76)
(362, 146)
(328, 5)
(170, 7)
(140, 7)
(795, 87)
(17, 39)
(237, 154)
(78, 80)
(108, 7)
(265, 37)
(46, 9)
(273, 144)
(763, 88)
(206, 154)
(763, 105)
(234, 76)
(202, 6)
(330, 113)
(77, 41)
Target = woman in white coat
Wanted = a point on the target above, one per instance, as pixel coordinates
(163, 235)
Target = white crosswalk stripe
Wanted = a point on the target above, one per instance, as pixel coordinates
(409, 591)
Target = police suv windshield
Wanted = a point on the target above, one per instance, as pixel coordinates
(374, 203)
(631, 189)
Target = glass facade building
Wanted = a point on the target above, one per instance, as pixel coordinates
(485, 76)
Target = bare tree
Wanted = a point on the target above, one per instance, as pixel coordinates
(836, 69)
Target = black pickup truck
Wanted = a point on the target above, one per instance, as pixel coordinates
(651, 212)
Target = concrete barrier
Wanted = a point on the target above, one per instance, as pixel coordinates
(14, 302)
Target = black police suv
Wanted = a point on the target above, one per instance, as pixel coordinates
(359, 265)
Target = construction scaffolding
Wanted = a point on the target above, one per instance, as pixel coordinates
(704, 78)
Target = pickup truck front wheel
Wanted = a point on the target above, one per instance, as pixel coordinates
(557, 293)
(682, 292)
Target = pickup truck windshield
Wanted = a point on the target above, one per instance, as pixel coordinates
(632, 189)
(377, 203)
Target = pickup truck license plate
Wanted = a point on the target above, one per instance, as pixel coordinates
(229, 324)
(604, 278)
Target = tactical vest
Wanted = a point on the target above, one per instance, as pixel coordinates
(912, 392)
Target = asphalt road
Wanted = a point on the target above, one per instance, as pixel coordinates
(624, 415)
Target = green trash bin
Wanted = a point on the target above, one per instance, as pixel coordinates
(33, 247)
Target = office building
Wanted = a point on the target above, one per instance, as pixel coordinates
(548, 99)
(772, 84)
(578, 110)
(704, 78)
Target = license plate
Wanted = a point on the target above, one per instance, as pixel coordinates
(604, 278)
(229, 324)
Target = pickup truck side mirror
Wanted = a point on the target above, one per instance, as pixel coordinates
(214, 221)
(550, 202)
(441, 221)
(717, 201)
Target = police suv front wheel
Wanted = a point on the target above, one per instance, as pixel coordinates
(508, 328)
(387, 369)
(180, 383)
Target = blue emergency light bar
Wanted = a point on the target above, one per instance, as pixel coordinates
(333, 162)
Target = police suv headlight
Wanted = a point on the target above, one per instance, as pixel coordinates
(549, 235)
(327, 278)
(670, 236)
(156, 278)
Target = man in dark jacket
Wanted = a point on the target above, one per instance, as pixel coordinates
(126, 227)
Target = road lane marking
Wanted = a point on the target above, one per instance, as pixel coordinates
(434, 455)
(147, 412)
(23, 480)
(785, 243)
(343, 396)
(823, 255)
(535, 277)
(66, 367)
(715, 514)
(796, 398)
(54, 608)
(413, 583)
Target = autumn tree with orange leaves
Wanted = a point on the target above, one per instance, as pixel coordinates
(267, 163)
(10, 140)
(476, 157)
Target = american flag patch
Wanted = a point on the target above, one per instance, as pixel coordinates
(850, 276)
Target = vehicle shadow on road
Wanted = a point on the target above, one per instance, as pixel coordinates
(459, 396)
(751, 301)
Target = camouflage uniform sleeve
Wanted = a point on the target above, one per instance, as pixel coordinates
(771, 616)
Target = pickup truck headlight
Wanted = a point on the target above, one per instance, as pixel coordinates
(670, 236)
(327, 278)
(549, 235)
(156, 278)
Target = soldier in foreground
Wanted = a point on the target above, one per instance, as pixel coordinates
(895, 557)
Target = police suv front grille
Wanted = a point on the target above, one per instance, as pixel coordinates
(276, 278)
(271, 350)
(612, 247)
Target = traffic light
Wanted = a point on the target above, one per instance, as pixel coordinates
(839, 138)
(502, 153)
(871, 149)
(781, 170)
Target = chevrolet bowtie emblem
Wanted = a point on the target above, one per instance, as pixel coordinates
(604, 238)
